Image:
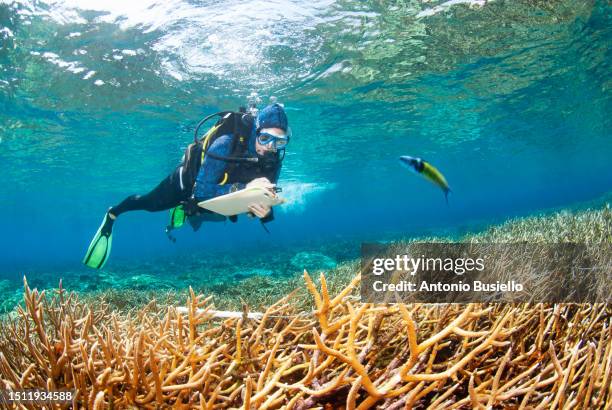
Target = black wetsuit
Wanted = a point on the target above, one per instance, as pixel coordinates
(171, 193)
(167, 195)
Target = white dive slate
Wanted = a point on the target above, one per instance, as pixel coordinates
(238, 202)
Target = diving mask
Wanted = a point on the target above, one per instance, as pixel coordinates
(278, 141)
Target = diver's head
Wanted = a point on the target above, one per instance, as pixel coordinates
(272, 131)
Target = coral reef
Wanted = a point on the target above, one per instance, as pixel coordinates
(589, 226)
(10, 295)
(314, 260)
(341, 355)
(262, 281)
(316, 347)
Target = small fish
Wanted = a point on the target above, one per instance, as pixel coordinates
(418, 166)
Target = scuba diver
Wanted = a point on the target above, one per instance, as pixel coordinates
(242, 149)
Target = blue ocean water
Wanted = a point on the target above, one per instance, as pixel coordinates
(510, 100)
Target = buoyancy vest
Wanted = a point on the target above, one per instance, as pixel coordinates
(240, 167)
(246, 172)
(237, 124)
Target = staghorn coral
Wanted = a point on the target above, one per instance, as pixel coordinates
(341, 355)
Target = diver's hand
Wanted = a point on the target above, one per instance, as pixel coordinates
(190, 206)
(260, 210)
(263, 183)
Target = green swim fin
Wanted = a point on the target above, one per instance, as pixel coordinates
(100, 246)
(177, 217)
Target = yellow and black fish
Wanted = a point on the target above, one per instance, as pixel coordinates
(430, 172)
